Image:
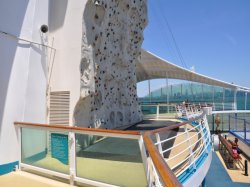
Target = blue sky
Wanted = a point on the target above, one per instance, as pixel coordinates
(212, 35)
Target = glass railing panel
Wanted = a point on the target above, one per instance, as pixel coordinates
(224, 122)
(210, 122)
(167, 109)
(115, 161)
(148, 110)
(45, 149)
(245, 116)
(236, 122)
(248, 127)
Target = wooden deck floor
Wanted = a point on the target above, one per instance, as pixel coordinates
(24, 179)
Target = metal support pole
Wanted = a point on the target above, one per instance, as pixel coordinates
(223, 99)
(213, 99)
(157, 111)
(246, 168)
(235, 121)
(229, 125)
(222, 122)
(202, 92)
(191, 86)
(181, 92)
(245, 130)
(245, 100)
(213, 122)
(235, 99)
(167, 95)
(149, 91)
(171, 89)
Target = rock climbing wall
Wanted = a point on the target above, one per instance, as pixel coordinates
(111, 43)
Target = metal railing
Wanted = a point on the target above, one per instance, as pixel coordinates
(158, 111)
(239, 124)
(30, 157)
(194, 146)
(164, 111)
(227, 122)
(189, 110)
(158, 168)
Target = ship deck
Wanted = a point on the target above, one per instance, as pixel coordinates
(97, 160)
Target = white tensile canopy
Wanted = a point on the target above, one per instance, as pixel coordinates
(149, 66)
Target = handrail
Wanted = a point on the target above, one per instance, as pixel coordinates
(189, 130)
(231, 111)
(242, 119)
(198, 149)
(74, 128)
(167, 176)
(182, 141)
(171, 127)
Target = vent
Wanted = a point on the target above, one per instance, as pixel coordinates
(59, 107)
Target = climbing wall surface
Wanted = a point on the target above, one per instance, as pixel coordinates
(111, 43)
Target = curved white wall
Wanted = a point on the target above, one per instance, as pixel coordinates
(23, 70)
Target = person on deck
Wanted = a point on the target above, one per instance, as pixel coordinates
(235, 146)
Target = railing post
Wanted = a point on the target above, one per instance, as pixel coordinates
(150, 171)
(190, 147)
(205, 124)
(19, 138)
(158, 140)
(186, 111)
(157, 111)
(246, 168)
(229, 125)
(208, 112)
(72, 156)
(144, 158)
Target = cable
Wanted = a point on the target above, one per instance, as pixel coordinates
(25, 40)
(166, 42)
(36, 43)
(173, 38)
(175, 43)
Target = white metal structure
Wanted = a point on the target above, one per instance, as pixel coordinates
(191, 164)
(150, 66)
